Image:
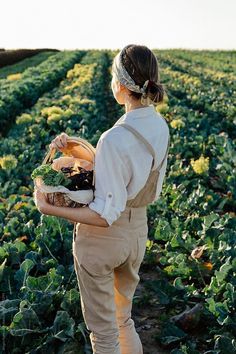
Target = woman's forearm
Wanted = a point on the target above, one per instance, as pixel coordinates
(83, 215)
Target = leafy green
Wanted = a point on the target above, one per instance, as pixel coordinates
(63, 326)
(50, 176)
(25, 322)
(171, 334)
(8, 308)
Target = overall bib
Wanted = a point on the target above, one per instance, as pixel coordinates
(107, 262)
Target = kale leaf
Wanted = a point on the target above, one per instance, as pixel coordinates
(50, 176)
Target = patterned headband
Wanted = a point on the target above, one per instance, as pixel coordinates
(123, 76)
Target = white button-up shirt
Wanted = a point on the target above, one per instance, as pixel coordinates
(123, 162)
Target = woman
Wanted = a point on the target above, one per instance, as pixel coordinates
(110, 233)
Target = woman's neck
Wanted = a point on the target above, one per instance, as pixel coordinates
(130, 106)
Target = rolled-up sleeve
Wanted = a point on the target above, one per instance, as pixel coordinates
(112, 175)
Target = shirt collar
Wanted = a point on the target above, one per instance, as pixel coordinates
(138, 112)
(141, 111)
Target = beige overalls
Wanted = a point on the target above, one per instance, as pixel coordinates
(107, 261)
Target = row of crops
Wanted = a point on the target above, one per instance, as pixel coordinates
(191, 243)
(9, 57)
(38, 283)
(10, 70)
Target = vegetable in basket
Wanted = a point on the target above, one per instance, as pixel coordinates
(81, 179)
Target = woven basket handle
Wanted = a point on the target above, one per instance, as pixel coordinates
(48, 158)
(85, 144)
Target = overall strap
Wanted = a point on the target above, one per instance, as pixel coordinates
(148, 145)
(139, 136)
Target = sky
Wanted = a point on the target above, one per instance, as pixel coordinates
(109, 24)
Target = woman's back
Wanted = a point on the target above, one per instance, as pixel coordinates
(121, 154)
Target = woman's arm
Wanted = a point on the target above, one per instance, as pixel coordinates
(82, 215)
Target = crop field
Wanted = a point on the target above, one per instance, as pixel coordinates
(185, 302)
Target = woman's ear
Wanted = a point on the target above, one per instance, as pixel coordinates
(122, 87)
(117, 84)
(123, 90)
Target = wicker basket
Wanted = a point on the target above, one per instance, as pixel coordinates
(77, 148)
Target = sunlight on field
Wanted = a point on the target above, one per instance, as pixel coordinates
(188, 273)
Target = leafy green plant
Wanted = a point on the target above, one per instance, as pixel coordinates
(50, 176)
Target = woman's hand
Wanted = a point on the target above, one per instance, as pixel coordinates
(41, 201)
(59, 142)
(82, 215)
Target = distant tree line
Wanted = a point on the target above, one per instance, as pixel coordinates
(9, 57)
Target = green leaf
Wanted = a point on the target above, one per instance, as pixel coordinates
(223, 272)
(178, 284)
(13, 254)
(21, 246)
(219, 309)
(171, 334)
(213, 288)
(174, 242)
(211, 305)
(164, 291)
(70, 347)
(225, 344)
(209, 219)
(3, 254)
(47, 283)
(2, 266)
(230, 294)
(71, 302)
(163, 231)
(63, 326)
(8, 308)
(50, 176)
(21, 275)
(25, 322)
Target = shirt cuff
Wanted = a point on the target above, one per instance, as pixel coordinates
(105, 209)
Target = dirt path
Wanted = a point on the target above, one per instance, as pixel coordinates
(146, 317)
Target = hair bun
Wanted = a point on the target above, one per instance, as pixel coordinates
(152, 82)
(155, 91)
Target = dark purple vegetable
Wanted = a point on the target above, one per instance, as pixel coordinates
(81, 180)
